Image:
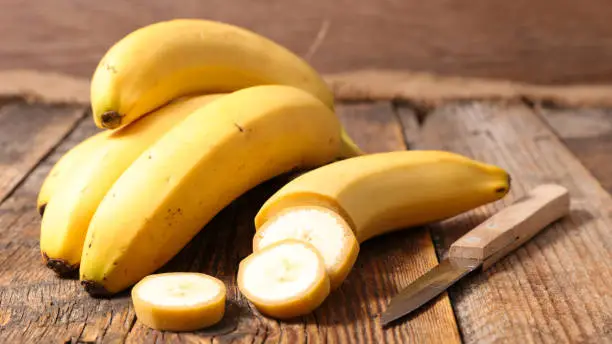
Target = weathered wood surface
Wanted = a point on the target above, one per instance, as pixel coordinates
(537, 41)
(27, 134)
(587, 133)
(35, 306)
(554, 289)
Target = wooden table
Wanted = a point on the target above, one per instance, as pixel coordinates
(554, 289)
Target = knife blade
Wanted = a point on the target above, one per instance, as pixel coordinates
(484, 245)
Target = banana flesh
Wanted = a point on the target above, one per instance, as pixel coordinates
(324, 229)
(284, 280)
(379, 193)
(179, 301)
(202, 164)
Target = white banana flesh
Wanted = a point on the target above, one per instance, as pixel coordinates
(325, 230)
(179, 301)
(284, 280)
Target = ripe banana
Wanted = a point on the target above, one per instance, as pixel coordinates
(379, 193)
(176, 186)
(284, 280)
(179, 301)
(165, 60)
(66, 167)
(67, 216)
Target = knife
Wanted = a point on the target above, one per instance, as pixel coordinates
(484, 245)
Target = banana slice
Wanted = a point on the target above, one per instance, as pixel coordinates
(284, 280)
(327, 231)
(179, 301)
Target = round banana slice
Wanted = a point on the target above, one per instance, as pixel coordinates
(284, 280)
(179, 301)
(327, 231)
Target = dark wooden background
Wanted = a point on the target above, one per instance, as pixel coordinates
(540, 41)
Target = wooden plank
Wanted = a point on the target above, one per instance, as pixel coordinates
(556, 287)
(27, 133)
(588, 134)
(389, 263)
(537, 41)
(37, 306)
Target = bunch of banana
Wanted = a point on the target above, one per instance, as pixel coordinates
(197, 113)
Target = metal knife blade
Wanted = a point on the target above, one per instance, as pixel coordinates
(428, 286)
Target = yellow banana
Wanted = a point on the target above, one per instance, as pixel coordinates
(165, 60)
(66, 167)
(176, 186)
(69, 212)
(382, 192)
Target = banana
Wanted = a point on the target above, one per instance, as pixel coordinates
(382, 192)
(168, 59)
(176, 186)
(67, 166)
(284, 280)
(179, 301)
(67, 215)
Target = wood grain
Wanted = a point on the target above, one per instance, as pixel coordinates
(39, 307)
(27, 133)
(588, 134)
(537, 41)
(555, 288)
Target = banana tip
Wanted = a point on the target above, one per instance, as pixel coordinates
(41, 209)
(110, 119)
(95, 289)
(61, 267)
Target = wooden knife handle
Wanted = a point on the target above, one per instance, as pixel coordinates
(510, 228)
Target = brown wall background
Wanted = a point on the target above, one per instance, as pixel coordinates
(541, 41)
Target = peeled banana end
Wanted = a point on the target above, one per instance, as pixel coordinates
(61, 267)
(111, 120)
(95, 289)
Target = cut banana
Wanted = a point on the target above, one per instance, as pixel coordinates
(284, 280)
(179, 301)
(324, 229)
